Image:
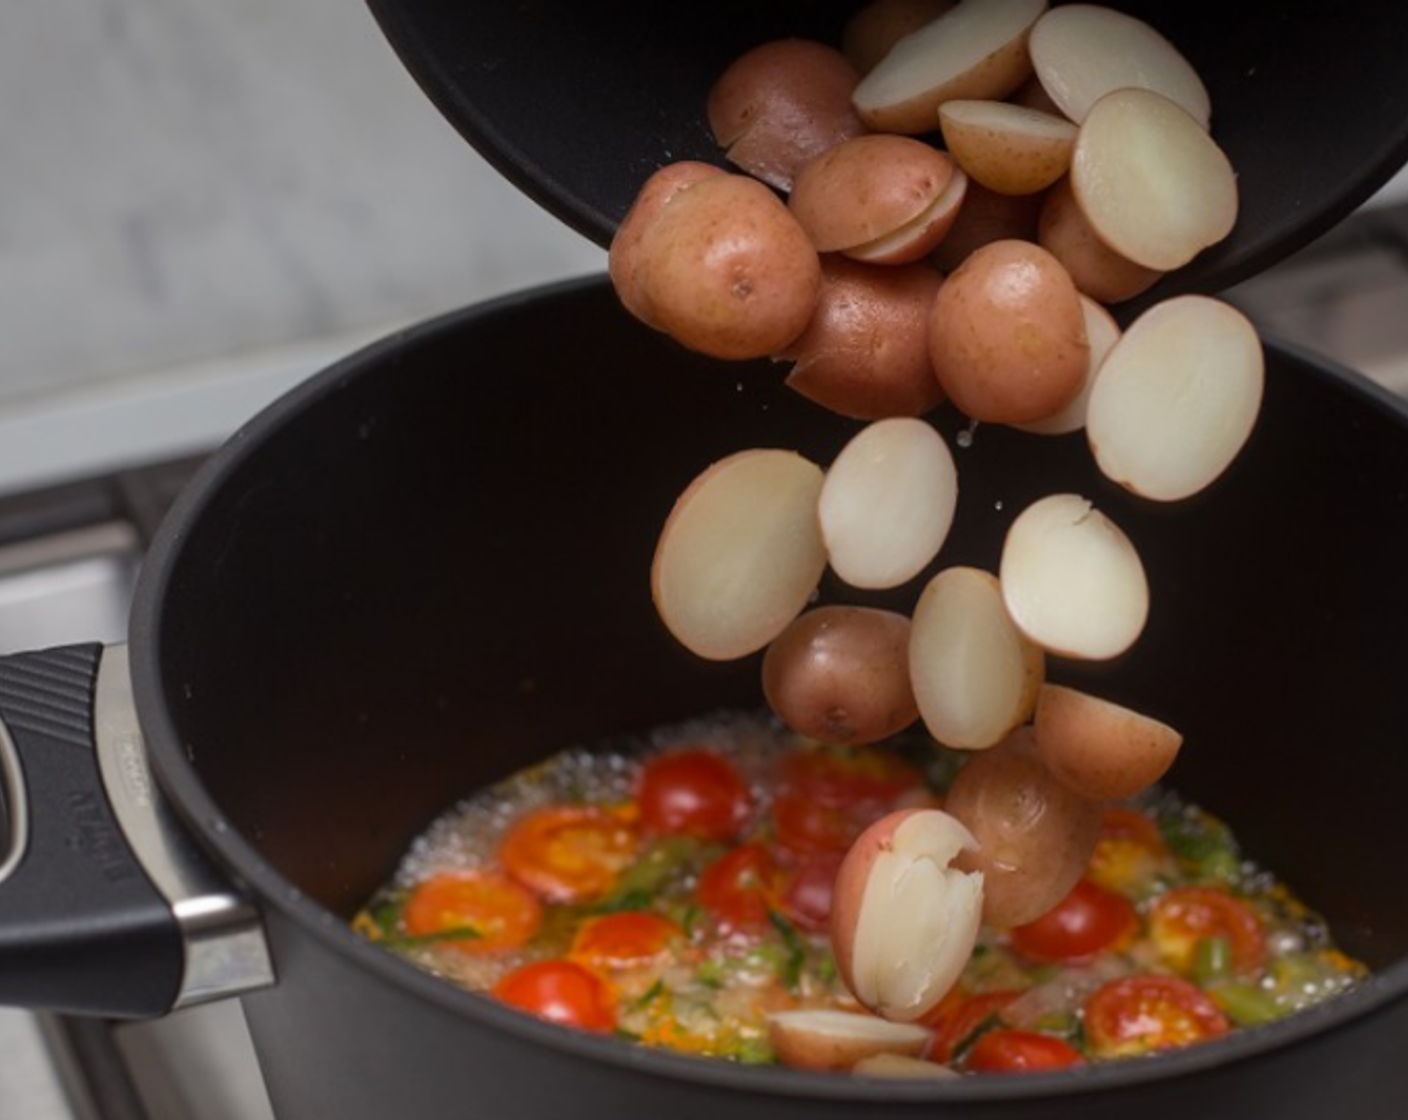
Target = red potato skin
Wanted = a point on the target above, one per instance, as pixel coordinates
(840, 674)
(1100, 749)
(1035, 836)
(1007, 335)
(782, 104)
(726, 270)
(623, 258)
(985, 217)
(1096, 269)
(831, 1052)
(867, 188)
(865, 354)
(872, 31)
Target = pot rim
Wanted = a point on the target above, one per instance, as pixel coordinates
(200, 812)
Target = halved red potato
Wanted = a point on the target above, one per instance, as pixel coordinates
(740, 553)
(903, 920)
(898, 1067)
(1098, 748)
(623, 259)
(1096, 269)
(1177, 397)
(1153, 184)
(1007, 334)
(865, 353)
(985, 217)
(782, 104)
(880, 24)
(725, 269)
(887, 502)
(1103, 331)
(1005, 147)
(1072, 580)
(889, 199)
(977, 49)
(1081, 52)
(830, 1039)
(975, 676)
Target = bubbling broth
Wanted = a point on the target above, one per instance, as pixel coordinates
(680, 890)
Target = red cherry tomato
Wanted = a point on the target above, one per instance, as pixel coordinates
(561, 992)
(625, 940)
(811, 888)
(847, 777)
(1180, 918)
(1142, 1013)
(568, 853)
(494, 911)
(693, 792)
(1130, 850)
(1011, 1051)
(1086, 921)
(805, 826)
(741, 889)
(958, 1015)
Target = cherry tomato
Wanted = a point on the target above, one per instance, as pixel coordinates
(561, 992)
(1142, 1013)
(625, 940)
(811, 887)
(498, 912)
(806, 826)
(846, 777)
(1180, 918)
(568, 853)
(741, 889)
(693, 792)
(958, 1015)
(1012, 1051)
(1130, 851)
(1086, 921)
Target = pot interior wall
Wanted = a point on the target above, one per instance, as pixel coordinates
(432, 567)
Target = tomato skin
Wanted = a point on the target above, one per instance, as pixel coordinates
(623, 940)
(958, 1015)
(693, 792)
(1145, 1012)
(1181, 917)
(1085, 922)
(741, 889)
(503, 913)
(568, 853)
(811, 889)
(1130, 851)
(559, 991)
(805, 826)
(849, 777)
(1013, 1051)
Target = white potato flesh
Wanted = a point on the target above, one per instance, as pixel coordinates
(1151, 182)
(1103, 332)
(740, 553)
(887, 502)
(904, 920)
(830, 1039)
(1081, 52)
(898, 1067)
(975, 675)
(1072, 580)
(1007, 148)
(977, 49)
(1177, 397)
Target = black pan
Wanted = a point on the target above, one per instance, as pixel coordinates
(428, 567)
(577, 103)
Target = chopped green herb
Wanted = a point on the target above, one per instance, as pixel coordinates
(791, 971)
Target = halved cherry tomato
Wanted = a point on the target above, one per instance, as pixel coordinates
(624, 940)
(1180, 918)
(1143, 1013)
(805, 826)
(1130, 850)
(811, 888)
(1013, 1051)
(693, 792)
(492, 910)
(741, 889)
(561, 992)
(843, 777)
(568, 853)
(958, 1015)
(1086, 921)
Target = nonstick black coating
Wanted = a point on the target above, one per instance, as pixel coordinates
(577, 103)
(429, 566)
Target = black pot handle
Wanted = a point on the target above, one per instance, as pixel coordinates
(106, 906)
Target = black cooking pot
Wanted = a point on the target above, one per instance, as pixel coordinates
(428, 567)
